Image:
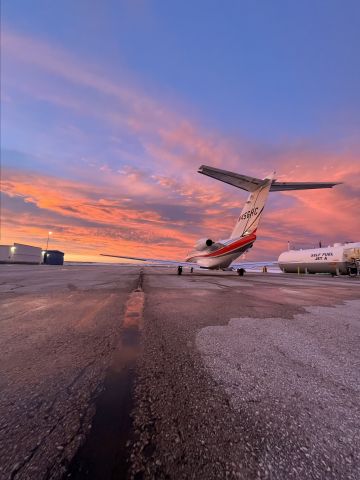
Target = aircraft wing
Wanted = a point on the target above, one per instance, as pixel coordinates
(155, 262)
(152, 262)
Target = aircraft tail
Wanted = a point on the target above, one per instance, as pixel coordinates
(259, 189)
(250, 215)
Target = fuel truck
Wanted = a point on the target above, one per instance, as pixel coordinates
(339, 259)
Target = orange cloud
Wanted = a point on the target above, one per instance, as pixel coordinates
(88, 219)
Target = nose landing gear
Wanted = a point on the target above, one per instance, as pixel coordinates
(240, 272)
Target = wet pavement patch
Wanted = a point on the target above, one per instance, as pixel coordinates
(103, 456)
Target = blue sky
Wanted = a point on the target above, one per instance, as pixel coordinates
(95, 91)
(239, 64)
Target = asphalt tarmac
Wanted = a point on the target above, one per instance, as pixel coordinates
(109, 374)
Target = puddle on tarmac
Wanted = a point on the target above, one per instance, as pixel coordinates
(103, 456)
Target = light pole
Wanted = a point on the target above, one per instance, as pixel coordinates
(47, 243)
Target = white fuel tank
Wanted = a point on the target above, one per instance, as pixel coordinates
(337, 259)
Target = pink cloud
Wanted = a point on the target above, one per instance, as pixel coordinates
(173, 147)
(161, 130)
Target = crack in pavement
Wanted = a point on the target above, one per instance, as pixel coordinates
(105, 450)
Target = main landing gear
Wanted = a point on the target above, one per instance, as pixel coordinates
(241, 271)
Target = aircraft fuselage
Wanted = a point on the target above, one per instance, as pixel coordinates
(222, 254)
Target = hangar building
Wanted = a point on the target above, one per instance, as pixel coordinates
(20, 253)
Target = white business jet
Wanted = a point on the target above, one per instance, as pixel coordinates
(221, 254)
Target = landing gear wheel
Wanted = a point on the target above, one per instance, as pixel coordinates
(240, 272)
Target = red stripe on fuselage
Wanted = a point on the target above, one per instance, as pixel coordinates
(228, 248)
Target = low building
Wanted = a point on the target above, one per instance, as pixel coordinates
(53, 257)
(5, 253)
(20, 253)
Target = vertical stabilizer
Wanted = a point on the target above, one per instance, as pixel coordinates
(250, 215)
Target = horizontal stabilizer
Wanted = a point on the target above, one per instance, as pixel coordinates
(240, 181)
(251, 184)
(287, 186)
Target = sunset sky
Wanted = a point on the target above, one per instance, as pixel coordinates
(108, 108)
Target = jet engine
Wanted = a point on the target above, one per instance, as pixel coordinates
(203, 244)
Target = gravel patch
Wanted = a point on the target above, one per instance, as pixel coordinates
(295, 384)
